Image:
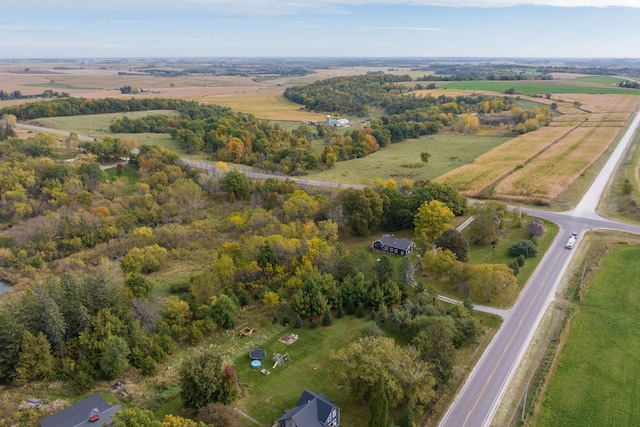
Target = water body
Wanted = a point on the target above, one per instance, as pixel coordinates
(4, 287)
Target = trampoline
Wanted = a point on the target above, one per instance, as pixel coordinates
(255, 364)
(257, 354)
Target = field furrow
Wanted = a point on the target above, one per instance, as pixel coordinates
(555, 169)
(472, 179)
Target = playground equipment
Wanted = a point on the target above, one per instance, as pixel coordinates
(255, 364)
(280, 359)
(257, 354)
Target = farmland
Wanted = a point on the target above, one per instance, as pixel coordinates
(539, 166)
(600, 389)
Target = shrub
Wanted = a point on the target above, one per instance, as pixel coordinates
(340, 313)
(313, 324)
(515, 267)
(285, 320)
(524, 247)
(274, 319)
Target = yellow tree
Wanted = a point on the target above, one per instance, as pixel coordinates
(432, 219)
(490, 280)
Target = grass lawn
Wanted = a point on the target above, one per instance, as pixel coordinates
(309, 367)
(402, 160)
(500, 255)
(595, 381)
(128, 171)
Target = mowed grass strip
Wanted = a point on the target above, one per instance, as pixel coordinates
(486, 170)
(549, 174)
(595, 381)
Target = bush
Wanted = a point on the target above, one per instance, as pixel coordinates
(218, 414)
(313, 324)
(524, 247)
(285, 320)
(513, 265)
(520, 259)
(274, 319)
(373, 315)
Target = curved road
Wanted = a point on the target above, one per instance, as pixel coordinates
(477, 401)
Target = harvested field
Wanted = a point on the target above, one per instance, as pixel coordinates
(549, 174)
(474, 178)
(603, 103)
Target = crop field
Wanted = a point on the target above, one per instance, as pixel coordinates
(542, 167)
(266, 104)
(548, 175)
(474, 178)
(402, 160)
(595, 380)
(543, 86)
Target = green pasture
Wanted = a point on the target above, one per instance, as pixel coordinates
(499, 254)
(93, 124)
(595, 381)
(528, 87)
(402, 160)
(603, 80)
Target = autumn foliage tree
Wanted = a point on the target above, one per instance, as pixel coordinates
(432, 219)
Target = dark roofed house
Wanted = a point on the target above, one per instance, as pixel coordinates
(93, 411)
(312, 410)
(393, 245)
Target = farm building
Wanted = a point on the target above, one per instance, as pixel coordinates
(336, 122)
(393, 245)
(312, 410)
(92, 411)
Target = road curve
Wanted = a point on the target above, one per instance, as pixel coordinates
(51, 130)
(477, 401)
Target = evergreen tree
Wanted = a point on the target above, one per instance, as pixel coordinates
(327, 319)
(274, 319)
(36, 361)
(360, 311)
(298, 323)
(378, 405)
(351, 308)
(340, 313)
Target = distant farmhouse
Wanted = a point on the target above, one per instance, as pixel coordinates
(312, 410)
(93, 411)
(393, 245)
(333, 122)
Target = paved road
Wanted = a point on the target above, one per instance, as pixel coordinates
(50, 130)
(477, 401)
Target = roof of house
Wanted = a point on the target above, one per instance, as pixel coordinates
(311, 410)
(77, 415)
(396, 242)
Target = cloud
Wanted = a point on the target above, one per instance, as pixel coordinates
(280, 7)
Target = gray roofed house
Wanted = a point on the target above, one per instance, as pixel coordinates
(312, 410)
(93, 411)
(393, 245)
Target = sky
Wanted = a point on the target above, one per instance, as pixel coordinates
(320, 28)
